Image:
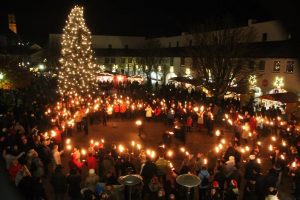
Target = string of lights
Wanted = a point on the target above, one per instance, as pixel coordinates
(77, 73)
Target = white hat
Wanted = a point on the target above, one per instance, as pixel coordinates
(252, 157)
(91, 171)
(231, 158)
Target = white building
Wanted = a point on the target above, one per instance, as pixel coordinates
(274, 57)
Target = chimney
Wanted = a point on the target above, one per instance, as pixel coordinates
(251, 21)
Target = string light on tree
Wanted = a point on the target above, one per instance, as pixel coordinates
(77, 74)
(278, 83)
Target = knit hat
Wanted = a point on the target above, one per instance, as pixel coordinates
(91, 171)
(215, 184)
(234, 183)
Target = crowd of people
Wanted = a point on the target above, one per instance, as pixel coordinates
(230, 171)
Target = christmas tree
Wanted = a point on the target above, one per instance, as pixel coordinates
(77, 74)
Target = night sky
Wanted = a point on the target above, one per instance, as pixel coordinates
(36, 19)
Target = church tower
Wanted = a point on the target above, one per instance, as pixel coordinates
(12, 25)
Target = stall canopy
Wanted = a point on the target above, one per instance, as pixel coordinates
(288, 97)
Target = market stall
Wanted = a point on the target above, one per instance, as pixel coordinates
(287, 100)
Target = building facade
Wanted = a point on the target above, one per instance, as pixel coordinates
(274, 56)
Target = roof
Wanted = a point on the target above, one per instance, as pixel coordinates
(288, 97)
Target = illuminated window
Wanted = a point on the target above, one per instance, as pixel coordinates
(276, 67)
(290, 66)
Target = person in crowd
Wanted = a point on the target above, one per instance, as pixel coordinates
(232, 191)
(91, 180)
(58, 181)
(149, 111)
(14, 169)
(148, 171)
(36, 167)
(250, 166)
(56, 156)
(45, 154)
(9, 157)
(204, 184)
(74, 181)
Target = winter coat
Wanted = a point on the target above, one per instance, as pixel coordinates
(200, 117)
(59, 183)
(91, 181)
(56, 157)
(148, 171)
(91, 162)
(37, 167)
(148, 111)
(74, 185)
(162, 166)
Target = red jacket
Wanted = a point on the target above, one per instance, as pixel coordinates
(189, 121)
(91, 162)
(123, 108)
(157, 111)
(116, 108)
(13, 171)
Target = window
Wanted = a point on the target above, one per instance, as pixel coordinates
(122, 60)
(129, 60)
(276, 67)
(106, 60)
(290, 66)
(113, 60)
(170, 44)
(177, 44)
(109, 46)
(251, 64)
(171, 61)
(126, 46)
(262, 65)
(182, 61)
(264, 37)
(191, 43)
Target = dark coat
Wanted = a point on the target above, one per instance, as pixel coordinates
(74, 185)
(59, 183)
